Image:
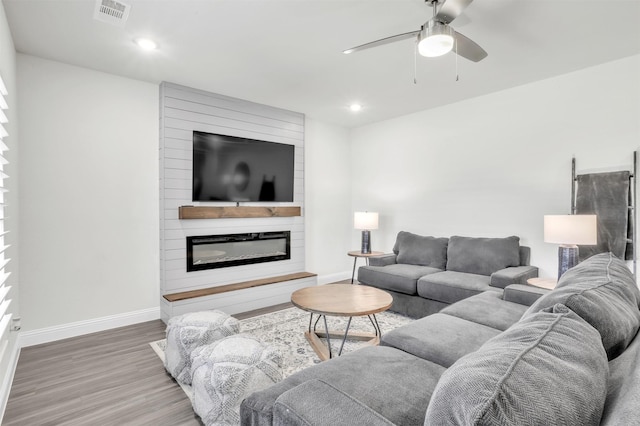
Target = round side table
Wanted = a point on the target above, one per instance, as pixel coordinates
(548, 283)
(356, 254)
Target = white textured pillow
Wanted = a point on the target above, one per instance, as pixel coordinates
(189, 331)
(226, 372)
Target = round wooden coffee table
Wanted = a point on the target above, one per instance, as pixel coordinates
(342, 300)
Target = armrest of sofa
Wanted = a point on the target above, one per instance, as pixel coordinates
(383, 260)
(318, 403)
(523, 294)
(513, 275)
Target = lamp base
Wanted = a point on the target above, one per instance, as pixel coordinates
(366, 242)
(567, 258)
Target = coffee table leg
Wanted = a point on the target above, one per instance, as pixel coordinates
(376, 326)
(326, 328)
(325, 352)
(344, 339)
(315, 324)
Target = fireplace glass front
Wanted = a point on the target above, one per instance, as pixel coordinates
(221, 251)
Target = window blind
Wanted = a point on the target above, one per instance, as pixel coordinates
(5, 315)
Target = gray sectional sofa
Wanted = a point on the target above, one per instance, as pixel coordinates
(570, 356)
(426, 274)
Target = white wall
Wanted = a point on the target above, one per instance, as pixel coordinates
(494, 165)
(88, 194)
(329, 221)
(8, 72)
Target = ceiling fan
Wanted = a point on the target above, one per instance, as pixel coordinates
(436, 37)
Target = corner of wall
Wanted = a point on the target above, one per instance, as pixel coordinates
(7, 380)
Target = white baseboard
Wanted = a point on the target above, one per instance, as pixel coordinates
(64, 331)
(5, 388)
(332, 278)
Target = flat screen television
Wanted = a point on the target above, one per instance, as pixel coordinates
(229, 168)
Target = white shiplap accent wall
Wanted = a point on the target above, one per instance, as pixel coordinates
(183, 110)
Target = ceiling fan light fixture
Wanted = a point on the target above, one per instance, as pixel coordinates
(436, 39)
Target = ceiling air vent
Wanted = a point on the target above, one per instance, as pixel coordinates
(112, 12)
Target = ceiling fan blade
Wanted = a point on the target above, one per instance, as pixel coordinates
(468, 48)
(450, 10)
(382, 41)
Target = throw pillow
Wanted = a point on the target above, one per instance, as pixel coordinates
(482, 256)
(547, 369)
(415, 249)
(603, 291)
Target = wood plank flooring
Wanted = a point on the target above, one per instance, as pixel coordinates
(107, 378)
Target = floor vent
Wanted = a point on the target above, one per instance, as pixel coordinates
(112, 12)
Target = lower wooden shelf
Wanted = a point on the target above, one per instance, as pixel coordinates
(174, 297)
(231, 212)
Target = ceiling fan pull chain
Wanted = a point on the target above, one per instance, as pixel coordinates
(415, 63)
(455, 41)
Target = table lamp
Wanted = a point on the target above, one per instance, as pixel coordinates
(569, 231)
(366, 221)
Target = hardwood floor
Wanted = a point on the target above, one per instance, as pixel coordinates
(107, 378)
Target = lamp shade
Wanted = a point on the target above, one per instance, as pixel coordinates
(365, 220)
(574, 229)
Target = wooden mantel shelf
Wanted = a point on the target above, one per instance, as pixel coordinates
(208, 212)
(174, 297)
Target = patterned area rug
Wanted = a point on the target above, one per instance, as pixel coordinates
(284, 330)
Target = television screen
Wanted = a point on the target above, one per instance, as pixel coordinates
(228, 168)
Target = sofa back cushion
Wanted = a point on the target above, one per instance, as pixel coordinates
(415, 249)
(623, 398)
(603, 291)
(525, 255)
(482, 256)
(550, 368)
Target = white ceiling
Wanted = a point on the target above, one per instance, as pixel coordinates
(288, 53)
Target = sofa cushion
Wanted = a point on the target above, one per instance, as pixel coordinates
(450, 287)
(316, 402)
(439, 338)
(408, 383)
(603, 291)
(549, 368)
(482, 255)
(399, 277)
(523, 294)
(513, 275)
(623, 397)
(488, 309)
(418, 250)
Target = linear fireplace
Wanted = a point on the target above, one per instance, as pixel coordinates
(221, 251)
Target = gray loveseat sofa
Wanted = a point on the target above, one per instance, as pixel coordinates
(425, 274)
(572, 357)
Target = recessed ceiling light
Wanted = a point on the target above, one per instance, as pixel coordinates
(146, 44)
(355, 107)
